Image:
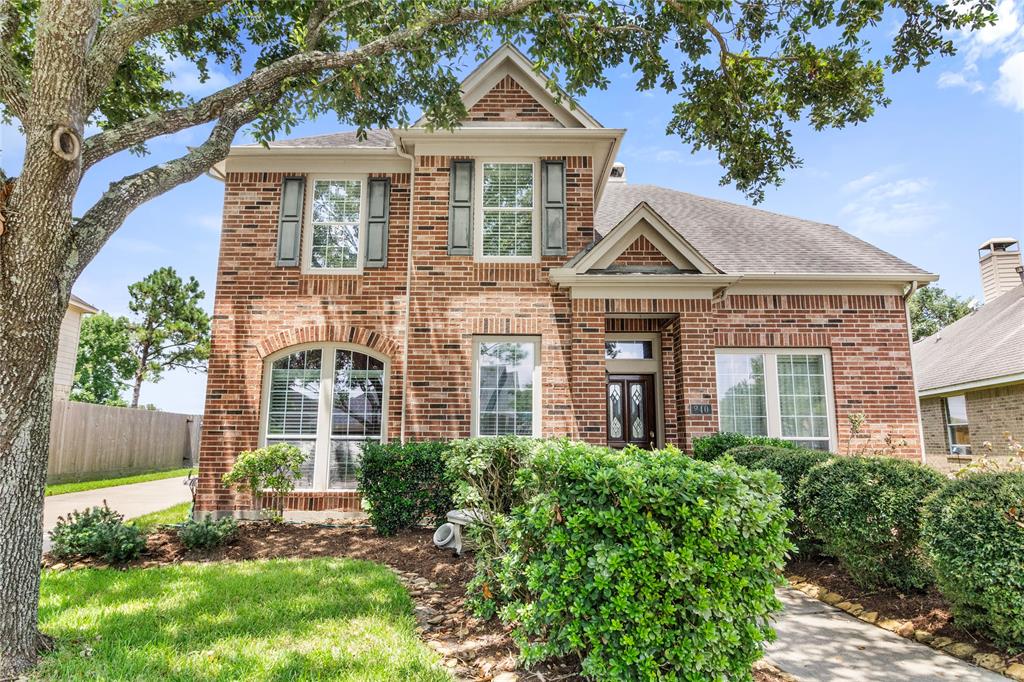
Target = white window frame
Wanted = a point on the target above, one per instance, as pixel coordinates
(948, 419)
(307, 226)
(537, 387)
(771, 388)
(478, 211)
(321, 451)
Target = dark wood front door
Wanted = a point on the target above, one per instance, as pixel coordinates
(630, 401)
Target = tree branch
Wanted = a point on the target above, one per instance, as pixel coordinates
(269, 78)
(97, 225)
(116, 40)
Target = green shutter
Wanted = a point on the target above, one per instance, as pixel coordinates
(552, 196)
(289, 224)
(379, 201)
(460, 209)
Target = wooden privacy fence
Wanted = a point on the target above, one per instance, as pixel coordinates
(88, 439)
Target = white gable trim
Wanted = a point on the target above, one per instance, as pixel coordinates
(644, 221)
(509, 61)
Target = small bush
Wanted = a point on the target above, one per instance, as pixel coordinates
(866, 512)
(207, 533)
(274, 467)
(485, 472)
(404, 484)
(974, 534)
(645, 565)
(97, 532)
(710, 448)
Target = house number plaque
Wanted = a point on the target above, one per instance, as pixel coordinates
(700, 408)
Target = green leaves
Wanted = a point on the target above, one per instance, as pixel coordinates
(931, 309)
(97, 532)
(974, 535)
(274, 468)
(404, 484)
(105, 363)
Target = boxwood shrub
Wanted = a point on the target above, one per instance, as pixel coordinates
(866, 512)
(404, 484)
(645, 565)
(791, 464)
(710, 448)
(974, 534)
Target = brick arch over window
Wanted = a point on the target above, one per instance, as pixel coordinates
(329, 333)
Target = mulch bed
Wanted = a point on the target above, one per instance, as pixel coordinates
(471, 648)
(928, 611)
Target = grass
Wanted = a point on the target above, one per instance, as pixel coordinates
(79, 486)
(164, 517)
(282, 619)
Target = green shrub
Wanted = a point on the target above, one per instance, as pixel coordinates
(645, 565)
(97, 532)
(710, 448)
(974, 534)
(274, 467)
(404, 484)
(207, 533)
(485, 472)
(866, 512)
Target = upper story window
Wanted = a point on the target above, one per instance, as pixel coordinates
(508, 217)
(957, 426)
(778, 393)
(336, 224)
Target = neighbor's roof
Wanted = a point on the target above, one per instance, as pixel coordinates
(742, 240)
(375, 139)
(985, 346)
(76, 302)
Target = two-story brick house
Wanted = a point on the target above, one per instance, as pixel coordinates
(504, 278)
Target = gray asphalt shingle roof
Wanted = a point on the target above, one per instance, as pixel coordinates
(987, 344)
(738, 239)
(375, 139)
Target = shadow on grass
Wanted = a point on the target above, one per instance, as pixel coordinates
(331, 619)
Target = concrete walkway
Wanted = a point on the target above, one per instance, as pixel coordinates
(132, 500)
(821, 643)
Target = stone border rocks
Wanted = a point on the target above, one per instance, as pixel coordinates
(905, 628)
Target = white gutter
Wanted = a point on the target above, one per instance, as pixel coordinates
(408, 287)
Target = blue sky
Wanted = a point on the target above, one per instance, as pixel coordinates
(928, 179)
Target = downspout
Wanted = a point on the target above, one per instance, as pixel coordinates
(408, 288)
(913, 370)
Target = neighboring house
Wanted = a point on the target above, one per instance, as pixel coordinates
(505, 278)
(970, 375)
(67, 346)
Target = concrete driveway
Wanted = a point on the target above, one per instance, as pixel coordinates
(131, 500)
(821, 643)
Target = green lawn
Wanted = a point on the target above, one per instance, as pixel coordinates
(283, 619)
(79, 486)
(165, 517)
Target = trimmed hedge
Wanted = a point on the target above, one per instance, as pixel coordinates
(792, 465)
(974, 535)
(404, 484)
(866, 511)
(646, 565)
(710, 448)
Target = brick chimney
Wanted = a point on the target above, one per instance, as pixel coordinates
(999, 260)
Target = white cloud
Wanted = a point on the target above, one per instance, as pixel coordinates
(959, 79)
(882, 203)
(208, 221)
(186, 78)
(1010, 86)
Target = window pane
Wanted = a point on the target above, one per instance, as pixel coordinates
(802, 403)
(308, 447)
(508, 233)
(628, 350)
(345, 457)
(336, 218)
(508, 185)
(357, 412)
(294, 394)
(741, 394)
(505, 393)
(956, 406)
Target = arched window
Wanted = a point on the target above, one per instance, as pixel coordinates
(327, 399)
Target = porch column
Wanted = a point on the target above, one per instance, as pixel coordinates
(696, 371)
(588, 370)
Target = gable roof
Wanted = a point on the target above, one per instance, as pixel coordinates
(983, 348)
(738, 239)
(80, 305)
(349, 139)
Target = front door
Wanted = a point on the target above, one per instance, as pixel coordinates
(630, 400)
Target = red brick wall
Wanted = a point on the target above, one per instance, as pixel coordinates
(509, 101)
(643, 252)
